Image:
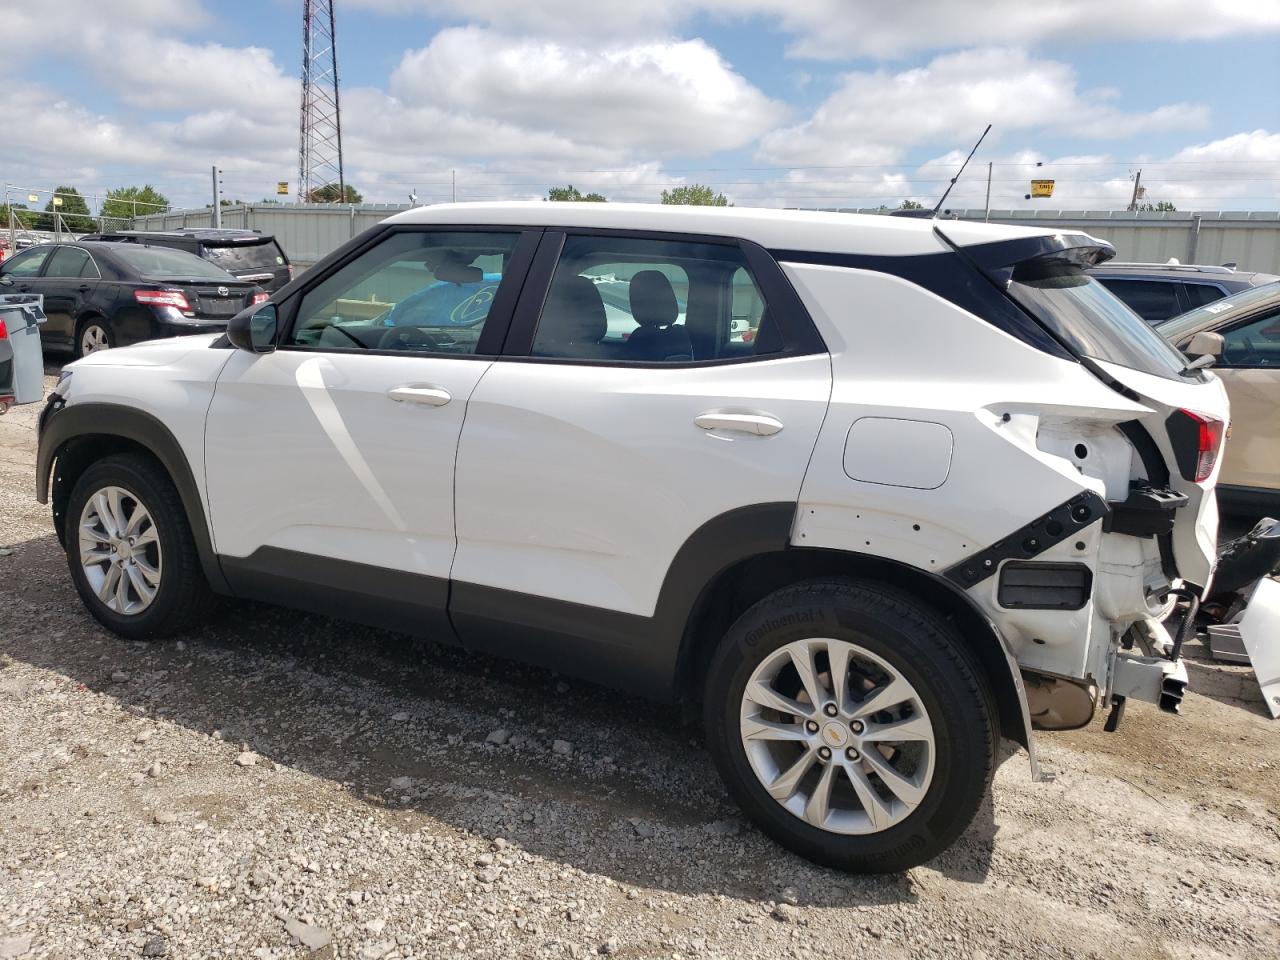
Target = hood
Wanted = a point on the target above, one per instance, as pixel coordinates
(149, 353)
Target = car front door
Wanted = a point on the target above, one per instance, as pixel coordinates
(24, 270)
(1250, 370)
(625, 444)
(330, 461)
(69, 281)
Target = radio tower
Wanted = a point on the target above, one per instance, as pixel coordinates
(320, 133)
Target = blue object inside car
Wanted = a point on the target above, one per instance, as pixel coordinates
(446, 304)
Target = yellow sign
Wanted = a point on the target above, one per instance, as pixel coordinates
(57, 201)
(282, 186)
(32, 198)
(1042, 188)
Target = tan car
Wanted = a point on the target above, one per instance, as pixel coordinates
(1249, 365)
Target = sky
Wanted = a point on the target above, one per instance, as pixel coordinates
(809, 103)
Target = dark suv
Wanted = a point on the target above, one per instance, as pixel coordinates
(99, 295)
(244, 254)
(1158, 291)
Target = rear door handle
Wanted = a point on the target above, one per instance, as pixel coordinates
(420, 393)
(84, 288)
(758, 424)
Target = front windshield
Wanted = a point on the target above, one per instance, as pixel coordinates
(1192, 321)
(1091, 319)
(162, 263)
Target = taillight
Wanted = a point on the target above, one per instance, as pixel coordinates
(1186, 427)
(163, 298)
(260, 298)
(4, 331)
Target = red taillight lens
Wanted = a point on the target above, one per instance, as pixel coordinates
(163, 298)
(260, 298)
(1208, 442)
(4, 331)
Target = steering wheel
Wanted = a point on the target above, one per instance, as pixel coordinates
(408, 338)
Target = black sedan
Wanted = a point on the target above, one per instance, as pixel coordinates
(99, 295)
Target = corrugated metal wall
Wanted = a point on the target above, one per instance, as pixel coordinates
(309, 231)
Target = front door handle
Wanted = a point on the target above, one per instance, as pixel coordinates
(84, 288)
(420, 393)
(757, 424)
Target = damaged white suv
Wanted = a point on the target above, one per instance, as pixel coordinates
(875, 492)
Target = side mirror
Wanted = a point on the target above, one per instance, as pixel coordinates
(1205, 344)
(254, 329)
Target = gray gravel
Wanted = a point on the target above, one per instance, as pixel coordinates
(279, 785)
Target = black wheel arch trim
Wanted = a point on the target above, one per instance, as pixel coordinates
(65, 424)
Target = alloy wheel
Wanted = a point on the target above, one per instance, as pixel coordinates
(120, 550)
(93, 338)
(837, 736)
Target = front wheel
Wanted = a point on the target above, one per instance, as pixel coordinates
(851, 724)
(130, 549)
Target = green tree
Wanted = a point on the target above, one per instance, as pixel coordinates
(1160, 206)
(332, 193)
(22, 218)
(910, 205)
(573, 193)
(74, 212)
(695, 194)
(125, 203)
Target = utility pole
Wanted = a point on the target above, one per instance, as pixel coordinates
(217, 201)
(453, 175)
(986, 217)
(1137, 187)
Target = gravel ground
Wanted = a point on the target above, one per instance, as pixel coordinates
(280, 785)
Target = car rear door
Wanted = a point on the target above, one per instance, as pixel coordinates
(602, 462)
(330, 461)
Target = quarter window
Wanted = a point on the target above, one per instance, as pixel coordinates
(620, 300)
(1198, 294)
(423, 292)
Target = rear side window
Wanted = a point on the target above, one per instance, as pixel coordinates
(1153, 300)
(70, 262)
(1090, 319)
(624, 300)
(266, 256)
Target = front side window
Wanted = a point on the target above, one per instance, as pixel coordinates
(1255, 343)
(424, 292)
(69, 262)
(1081, 312)
(627, 300)
(25, 264)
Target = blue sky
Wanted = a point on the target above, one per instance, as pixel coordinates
(780, 102)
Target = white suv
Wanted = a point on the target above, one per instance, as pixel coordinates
(938, 496)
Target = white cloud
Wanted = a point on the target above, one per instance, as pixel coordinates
(874, 117)
(659, 96)
(842, 29)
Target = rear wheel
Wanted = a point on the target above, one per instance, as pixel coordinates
(851, 724)
(129, 546)
(93, 335)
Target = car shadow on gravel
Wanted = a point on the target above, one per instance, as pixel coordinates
(601, 782)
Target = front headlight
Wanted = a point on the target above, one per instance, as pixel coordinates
(63, 384)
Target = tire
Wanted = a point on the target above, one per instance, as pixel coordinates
(180, 595)
(885, 633)
(93, 330)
